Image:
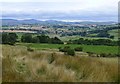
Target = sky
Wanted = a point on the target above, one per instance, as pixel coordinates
(69, 10)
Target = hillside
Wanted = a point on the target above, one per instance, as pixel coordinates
(39, 66)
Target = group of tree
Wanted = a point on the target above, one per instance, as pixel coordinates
(73, 33)
(29, 38)
(9, 38)
(94, 42)
(103, 30)
(70, 51)
(103, 34)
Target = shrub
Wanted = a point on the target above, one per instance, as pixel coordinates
(70, 52)
(11, 43)
(65, 49)
(61, 49)
(78, 49)
(103, 55)
(30, 49)
(90, 53)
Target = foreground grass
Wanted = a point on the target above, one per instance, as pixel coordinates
(86, 48)
(43, 66)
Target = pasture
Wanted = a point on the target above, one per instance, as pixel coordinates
(86, 48)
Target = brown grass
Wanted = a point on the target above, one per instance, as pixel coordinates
(21, 65)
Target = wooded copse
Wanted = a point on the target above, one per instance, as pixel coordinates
(11, 38)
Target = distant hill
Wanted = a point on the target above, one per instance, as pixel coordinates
(33, 21)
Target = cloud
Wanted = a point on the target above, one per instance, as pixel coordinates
(61, 9)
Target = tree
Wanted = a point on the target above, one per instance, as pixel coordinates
(112, 37)
(35, 39)
(5, 38)
(12, 38)
(26, 38)
(56, 40)
(103, 34)
(9, 38)
(43, 39)
(0, 38)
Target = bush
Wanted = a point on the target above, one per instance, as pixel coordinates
(11, 43)
(70, 52)
(118, 55)
(109, 55)
(65, 49)
(61, 49)
(103, 55)
(30, 49)
(78, 49)
(90, 53)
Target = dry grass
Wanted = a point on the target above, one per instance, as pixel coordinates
(21, 65)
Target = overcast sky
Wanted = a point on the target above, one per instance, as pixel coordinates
(81, 10)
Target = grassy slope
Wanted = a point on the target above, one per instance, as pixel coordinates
(21, 65)
(86, 48)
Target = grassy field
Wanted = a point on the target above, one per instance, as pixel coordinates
(20, 65)
(86, 48)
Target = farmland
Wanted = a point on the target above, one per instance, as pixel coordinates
(86, 48)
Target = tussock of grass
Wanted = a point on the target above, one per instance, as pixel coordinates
(49, 66)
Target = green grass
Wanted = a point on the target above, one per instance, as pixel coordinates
(86, 48)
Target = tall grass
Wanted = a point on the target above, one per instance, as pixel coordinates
(51, 66)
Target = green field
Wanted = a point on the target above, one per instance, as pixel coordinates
(86, 48)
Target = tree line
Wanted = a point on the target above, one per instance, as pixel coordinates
(11, 38)
(94, 42)
(29, 38)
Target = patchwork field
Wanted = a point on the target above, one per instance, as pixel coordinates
(51, 66)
